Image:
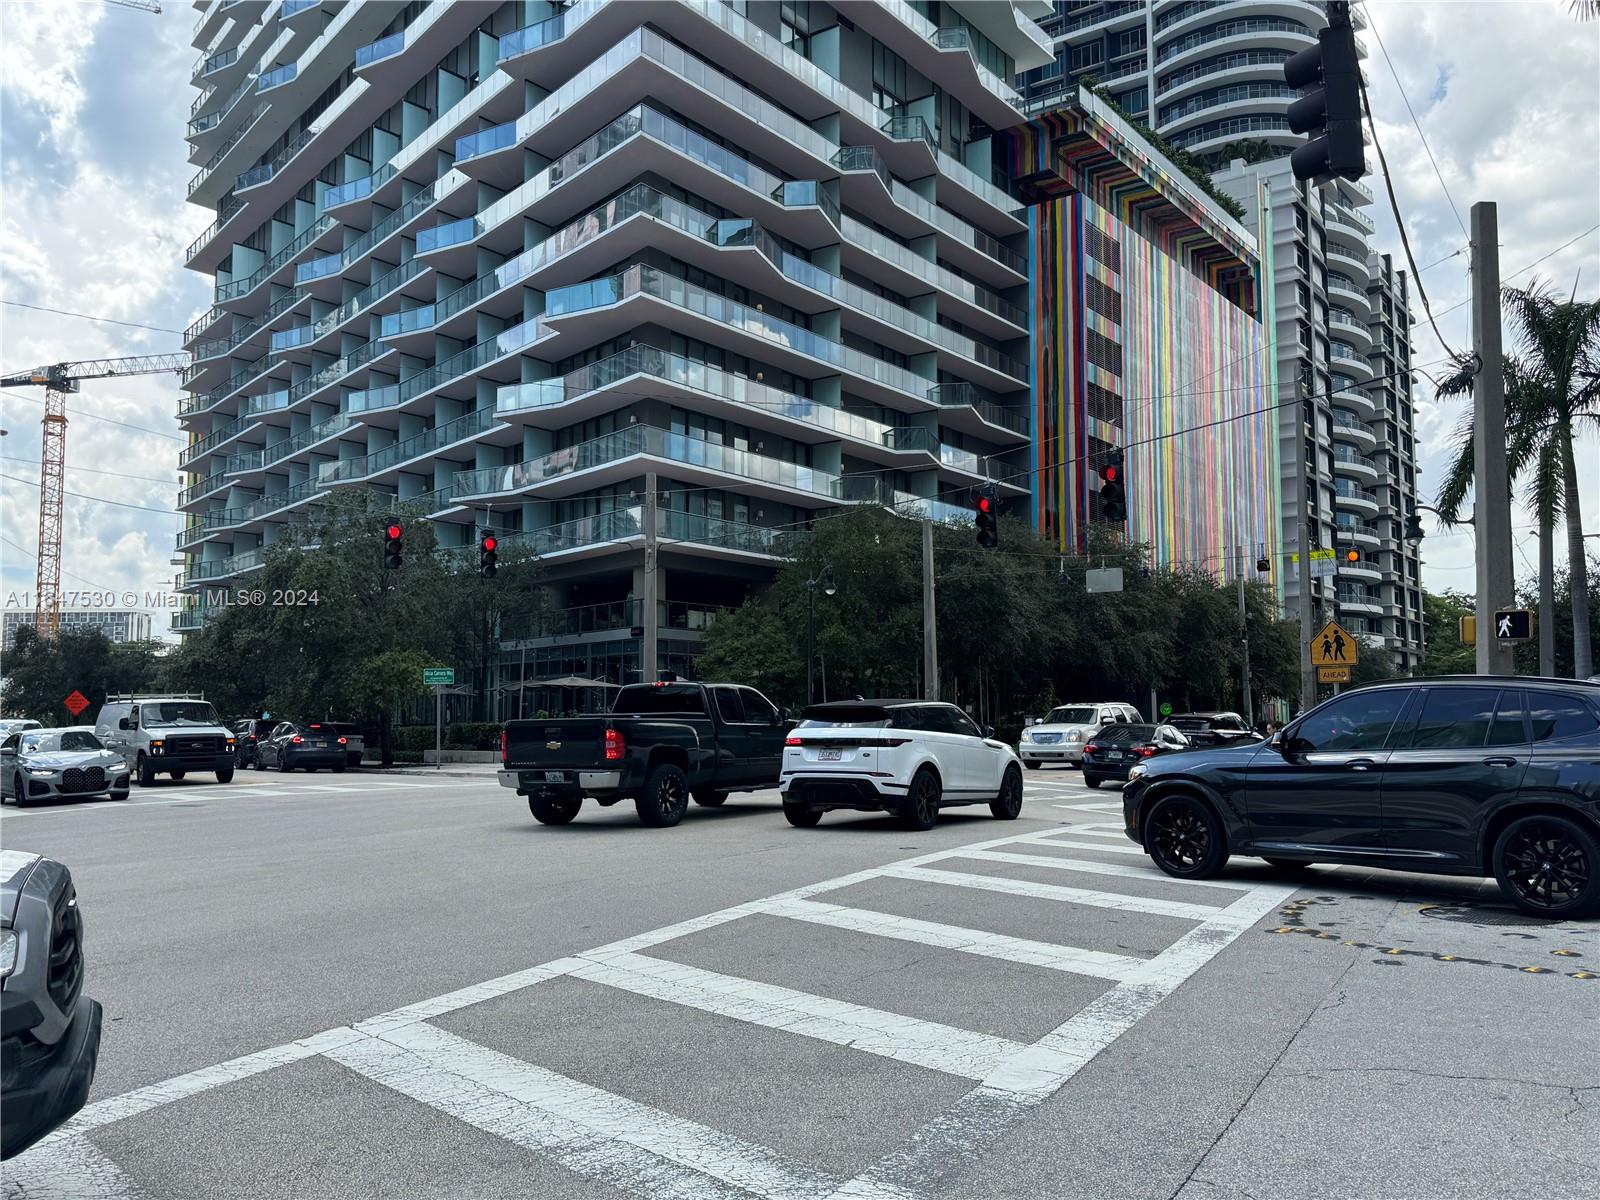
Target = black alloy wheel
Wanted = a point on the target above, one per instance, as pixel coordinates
(665, 797)
(1007, 806)
(920, 809)
(1185, 839)
(1547, 867)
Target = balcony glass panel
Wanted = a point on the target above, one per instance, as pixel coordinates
(382, 48)
(267, 402)
(409, 321)
(355, 189)
(288, 339)
(486, 140)
(317, 268)
(452, 233)
(714, 531)
(276, 77)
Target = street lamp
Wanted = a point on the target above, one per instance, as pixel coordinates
(824, 580)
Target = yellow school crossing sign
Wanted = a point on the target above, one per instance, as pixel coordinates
(1333, 647)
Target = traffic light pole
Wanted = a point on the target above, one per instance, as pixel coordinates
(1244, 639)
(1491, 485)
(930, 628)
(1308, 676)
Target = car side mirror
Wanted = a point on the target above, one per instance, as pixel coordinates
(778, 718)
(122, 723)
(988, 731)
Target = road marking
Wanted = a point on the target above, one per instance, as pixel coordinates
(596, 1133)
(1096, 808)
(1094, 963)
(75, 1171)
(952, 1142)
(1098, 847)
(1149, 874)
(1100, 831)
(1052, 891)
(886, 1034)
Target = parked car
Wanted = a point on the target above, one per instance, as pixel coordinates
(10, 725)
(1212, 728)
(355, 743)
(166, 735)
(661, 744)
(59, 764)
(247, 735)
(302, 745)
(1464, 775)
(906, 757)
(1115, 749)
(1060, 737)
(51, 1038)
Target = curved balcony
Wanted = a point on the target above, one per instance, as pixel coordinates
(1356, 499)
(1350, 328)
(1351, 428)
(584, 466)
(1342, 287)
(1241, 66)
(1359, 599)
(1351, 227)
(1248, 33)
(1225, 101)
(1344, 358)
(1354, 398)
(1361, 569)
(1215, 134)
(1351, 264)
(1349, 462)
(1363, 533)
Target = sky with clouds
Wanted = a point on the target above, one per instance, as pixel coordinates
(94, 104)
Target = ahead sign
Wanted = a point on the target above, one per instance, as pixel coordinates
(1513, 624)
(76, 703)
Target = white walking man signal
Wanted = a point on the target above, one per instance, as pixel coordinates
(1504, 629)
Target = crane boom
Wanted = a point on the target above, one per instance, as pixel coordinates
(149, 6)
(59, 380)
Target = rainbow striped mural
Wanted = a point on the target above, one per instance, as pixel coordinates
(1137, 346)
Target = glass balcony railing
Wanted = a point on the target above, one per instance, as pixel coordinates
(967, 395)
(293, 7)
(230, 205)
(204, 173)
(409, 321)
(368, 296)
(205, 400)
(372, 399)
(613, 526)
(719, 532)
(650, 281)
(241, 334)
(1230, 29)
(217, 61)
(211, 441)
(551, 29)
(288, 339)
(1342, 454)
(203, 488)
(1352, 594)
(507, 341)
(343, 193)
(908, 260)
(267, 402)
(451, 233)
(636, 440)
(382, 48)
(221, 567)
(318, 268)
(1344, 420)
(1362, 528)
(499, 137)
(428, 442)
(1345, 490)
(276, 77)
(236, 288)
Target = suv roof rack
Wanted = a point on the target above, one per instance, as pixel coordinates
(124, 697)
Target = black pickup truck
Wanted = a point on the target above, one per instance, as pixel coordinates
(660, 744)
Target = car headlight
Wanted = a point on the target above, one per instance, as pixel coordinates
(41, 770)
(8, 952)
(1135, 771)
(1074, 735)
(1027, 735)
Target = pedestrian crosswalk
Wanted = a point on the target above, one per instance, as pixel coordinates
(179, 793)
(602, 1129)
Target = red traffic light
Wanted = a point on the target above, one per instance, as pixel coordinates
(394, 530)
(489, 543)
(1109, 474)
(985, 504)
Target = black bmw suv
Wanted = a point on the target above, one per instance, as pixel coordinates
(1464, 775)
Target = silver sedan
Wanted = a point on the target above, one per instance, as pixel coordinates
(59, 764)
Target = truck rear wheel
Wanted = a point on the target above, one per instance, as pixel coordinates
(224, 774)
(707, 798)
(665, 797)
(554, 810)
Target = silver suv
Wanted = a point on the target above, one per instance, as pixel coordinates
(1061, 736)
(166, 735)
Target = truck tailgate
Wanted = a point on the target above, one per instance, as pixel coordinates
(566, 742)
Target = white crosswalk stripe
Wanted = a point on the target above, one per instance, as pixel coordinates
(1126, 848)
(1095, 963)
(1051, 891)
(628, 1145)
(1088, 867)
(890, 1035)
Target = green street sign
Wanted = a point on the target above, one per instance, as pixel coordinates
(1166, 710)
(431, 675)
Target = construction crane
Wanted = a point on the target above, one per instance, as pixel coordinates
(149, 6)
(60, 381)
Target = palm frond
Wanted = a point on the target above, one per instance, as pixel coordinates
(1458, 475)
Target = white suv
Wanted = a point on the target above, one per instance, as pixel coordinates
(907, 757)
(1061, 736)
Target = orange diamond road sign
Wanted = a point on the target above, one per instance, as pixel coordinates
(76, 703)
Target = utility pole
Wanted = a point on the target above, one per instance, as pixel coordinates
(1244, 639)
(648, 656)
(930, 629)
(1492, 514)
(1308, 679)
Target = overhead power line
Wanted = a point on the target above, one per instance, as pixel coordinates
(62, 312)
(95, 470)
(94, 416)
(95, 499)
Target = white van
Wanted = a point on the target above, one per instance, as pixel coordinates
(166, 735)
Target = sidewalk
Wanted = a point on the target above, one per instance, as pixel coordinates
(447, 771)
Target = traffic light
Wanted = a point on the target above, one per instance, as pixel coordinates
(1413, 527)
(394, 551)
(1352, 556)
(988, 530)
(1263, 565)
(1113, 489)
(1331, 110)
(488, 544)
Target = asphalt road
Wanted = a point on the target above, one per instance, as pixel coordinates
(402, 986)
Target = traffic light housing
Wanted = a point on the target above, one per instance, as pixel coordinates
(1352, 556)
(988, 530)
(394, 551)
(1263, 564)
(1413, 527)
(488, 553)
(1330, 110)
(1113, 489)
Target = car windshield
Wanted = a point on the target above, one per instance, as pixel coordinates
(178, 712)
(1125, 734)
(1188, 723)
(1070, 716)
(855, 717)
(66, 739)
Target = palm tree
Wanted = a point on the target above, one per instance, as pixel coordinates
(1552, 394)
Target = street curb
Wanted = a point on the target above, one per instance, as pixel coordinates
(430, 772)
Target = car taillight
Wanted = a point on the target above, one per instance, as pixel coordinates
(296, 739)
(1144, 751)
(344, 741)
(792, 741)
(615, 746)
(502, 745)
(1092, 748)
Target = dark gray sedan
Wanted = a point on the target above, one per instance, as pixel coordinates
(60, 764)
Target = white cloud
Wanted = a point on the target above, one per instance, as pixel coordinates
(1518, 123)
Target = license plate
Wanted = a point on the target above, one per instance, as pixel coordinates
(555, 776)
(829, 755)
(319, 745)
